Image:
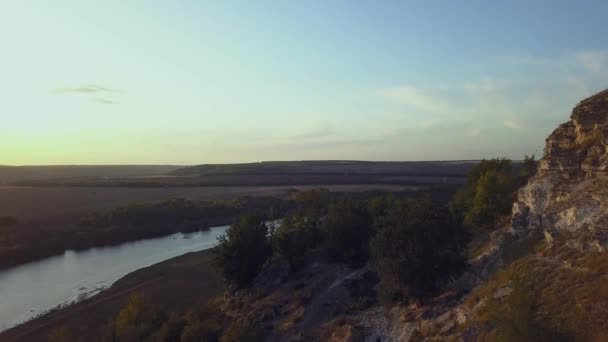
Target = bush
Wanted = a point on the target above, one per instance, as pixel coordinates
(312, 203)
(243, 333)
(295, 237)
(548, 300)
(206, 330)
(243, 250)
(487, 194)
(138, 320)
(515, 320)
(171, 330)
(203, 324)
(381, 204)
(492, 199)
(348, 230)
(417, 247)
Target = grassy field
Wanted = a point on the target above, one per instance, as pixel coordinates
(27, 173)
(286, 173)
(176, 284)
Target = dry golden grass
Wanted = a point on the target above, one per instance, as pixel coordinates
(567, 289)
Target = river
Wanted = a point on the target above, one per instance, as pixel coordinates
(30, 289)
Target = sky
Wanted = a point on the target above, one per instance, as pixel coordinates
(191, 82)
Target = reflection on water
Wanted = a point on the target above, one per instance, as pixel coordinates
(33, 288)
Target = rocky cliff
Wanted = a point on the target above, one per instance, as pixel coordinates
(570, 190)
(567, 202)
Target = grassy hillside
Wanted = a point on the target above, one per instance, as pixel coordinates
(288, 173)
(329, 167)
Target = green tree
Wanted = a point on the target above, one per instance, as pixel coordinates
(295, 237)
(492, 199)
(312, 203)
(348, 229)
(243, 250)
(486, 196)
(416, 248)
(380, 205)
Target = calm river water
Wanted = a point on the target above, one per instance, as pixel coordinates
(33, 288)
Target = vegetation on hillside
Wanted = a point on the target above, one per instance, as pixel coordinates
(295, 237)
(348, 230)
(138, 320)
(413, 247)
(488, 193)
(416, 245)
(243, 250)
(536, 307)
(417, 248)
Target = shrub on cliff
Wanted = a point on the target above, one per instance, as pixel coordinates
(295, 237)
(492, 199)
(347, 229)
(243, 250)
(526, 170)
(243, 332)
(312, 203)
(417, 247)
(138, 320)
(486, 196)
(515, 319)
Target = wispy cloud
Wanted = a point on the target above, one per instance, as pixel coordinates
(415, 97)
(534, 60)
(512, 125)
(483, 85)
(321, 131)
(87, 88)
(434, 127)
(492, 108)
(104, 101)
(593, 61)
(100, 92)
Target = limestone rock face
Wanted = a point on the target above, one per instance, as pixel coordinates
(579, 146)
(570, 190)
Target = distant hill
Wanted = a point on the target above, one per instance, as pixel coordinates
(33, 173)
(331, 167)
(271, 173)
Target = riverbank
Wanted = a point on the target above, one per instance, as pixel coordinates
(49, 220)
(25, 242)
(177, 284)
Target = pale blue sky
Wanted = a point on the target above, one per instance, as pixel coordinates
(186, 82)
